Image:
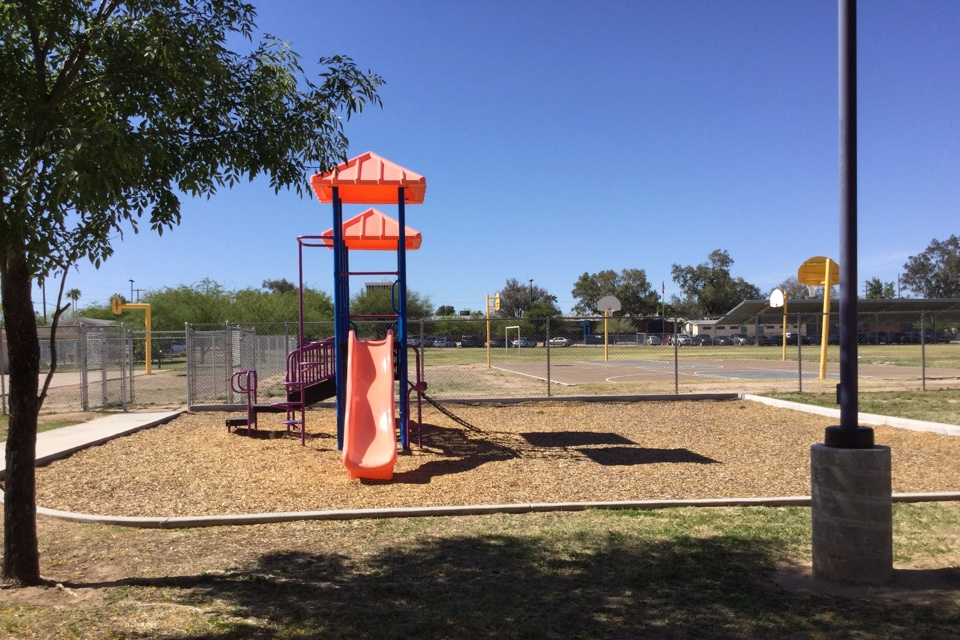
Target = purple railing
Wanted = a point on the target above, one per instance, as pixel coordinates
(245, 382)
(313, 362)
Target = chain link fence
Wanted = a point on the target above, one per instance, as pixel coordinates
(467, 358)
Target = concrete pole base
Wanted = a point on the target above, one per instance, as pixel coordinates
(852, 515)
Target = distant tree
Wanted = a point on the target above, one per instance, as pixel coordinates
(279, 286)
(113, 110)
(515, 298)
(637, 297)
(378, 302)
(204, 302)
(793, 290)
(74, 295)
(711, 286)
(446, 310)
(619, 325)
(540, 314)
(935, 273)
(877, 290)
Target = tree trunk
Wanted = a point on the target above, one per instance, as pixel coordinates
(21, 556)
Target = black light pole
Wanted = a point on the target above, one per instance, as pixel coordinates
(131, 290)
(848, 434)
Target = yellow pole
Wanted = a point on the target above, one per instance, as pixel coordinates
(116, 307)
(825, 322)
(784, 340)
(488, 331)
(606, 344)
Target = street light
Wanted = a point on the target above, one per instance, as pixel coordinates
(131, 290)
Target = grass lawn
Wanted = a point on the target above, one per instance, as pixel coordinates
(48, 422)
(936, 406)
(675, 573)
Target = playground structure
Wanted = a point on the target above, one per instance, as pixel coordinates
(360, 374)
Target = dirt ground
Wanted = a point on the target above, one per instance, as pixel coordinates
(534, 452)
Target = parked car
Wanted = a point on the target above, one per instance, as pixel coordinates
(177, 348)
(654, 341)
(471, 341)
(703, 340)
(793, 337)
(560, 341)
(683, 340)
(443, 342)
(742, 339)
(497, 343)
(524, 342)
(767, 341)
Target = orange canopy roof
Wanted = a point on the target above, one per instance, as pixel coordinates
(369, 179)
(373, 230)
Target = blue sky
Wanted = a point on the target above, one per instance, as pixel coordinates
(562, 137)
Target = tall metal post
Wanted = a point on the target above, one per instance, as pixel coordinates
(341, 313)
(850, 478)
(402, 320)
(848, 434)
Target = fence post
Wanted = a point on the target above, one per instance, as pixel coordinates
(84, 400)
(103, 369)
(923, 351)
(191, 374)
(123, 369)
(546, 343)
(228, 364)
(799, 352)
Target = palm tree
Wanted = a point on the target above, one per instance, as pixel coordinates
(74, 294)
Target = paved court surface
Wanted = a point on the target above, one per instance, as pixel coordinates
(613, 371)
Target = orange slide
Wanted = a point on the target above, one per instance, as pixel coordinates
(369, 438)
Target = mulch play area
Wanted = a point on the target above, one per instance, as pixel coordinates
(520, 453)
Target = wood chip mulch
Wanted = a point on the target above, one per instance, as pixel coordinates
(535, 452)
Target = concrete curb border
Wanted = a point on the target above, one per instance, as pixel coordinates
(863, 418)
(190, 522)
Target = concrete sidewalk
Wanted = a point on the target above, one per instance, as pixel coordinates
(60, 443)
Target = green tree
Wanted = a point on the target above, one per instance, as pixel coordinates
(935, 273)
(637, 297)
(204, 302)
(877, 290)
(515, 298)
(378, 302)
(279, 286)
(112, 110)
(446, 310)
(793, 290)
(711, 287)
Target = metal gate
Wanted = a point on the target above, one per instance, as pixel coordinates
(106, 372)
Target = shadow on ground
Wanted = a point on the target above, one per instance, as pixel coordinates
(460, 453)
(610, 585)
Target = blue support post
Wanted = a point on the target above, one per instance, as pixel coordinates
(341, 311)
(402, 321)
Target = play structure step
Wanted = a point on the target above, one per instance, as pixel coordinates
(237, 421)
